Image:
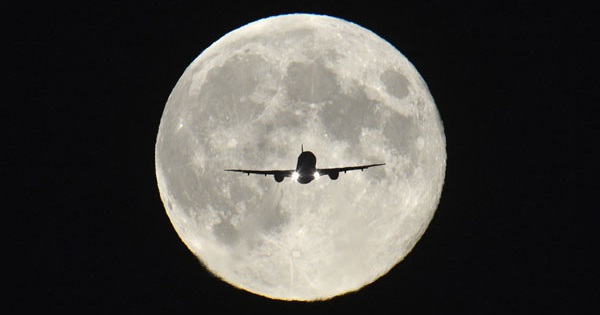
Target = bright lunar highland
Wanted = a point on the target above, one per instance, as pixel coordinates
(249, 101)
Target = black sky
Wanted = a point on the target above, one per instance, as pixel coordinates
(515, 231)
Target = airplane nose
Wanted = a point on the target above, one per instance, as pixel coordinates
(306, 178)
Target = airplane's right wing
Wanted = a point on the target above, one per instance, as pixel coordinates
(277, 174)
(333, 173)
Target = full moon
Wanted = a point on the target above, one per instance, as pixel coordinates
(250, 101)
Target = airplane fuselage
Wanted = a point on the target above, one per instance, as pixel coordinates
(306, 168)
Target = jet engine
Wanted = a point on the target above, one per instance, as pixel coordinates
(334, 175)
(278, 177)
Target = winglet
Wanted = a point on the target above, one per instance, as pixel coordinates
(302, 148)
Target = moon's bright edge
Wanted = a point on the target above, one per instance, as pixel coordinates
(249, 101)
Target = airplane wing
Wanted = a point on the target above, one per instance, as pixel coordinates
(334, 172)
(278, 174)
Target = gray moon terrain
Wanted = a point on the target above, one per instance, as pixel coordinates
(249, 101)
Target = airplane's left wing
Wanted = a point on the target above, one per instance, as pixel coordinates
(277, 174)
(335, 172)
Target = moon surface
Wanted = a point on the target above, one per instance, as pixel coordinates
(250, 100)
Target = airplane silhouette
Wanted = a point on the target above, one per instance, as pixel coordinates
(306, 170)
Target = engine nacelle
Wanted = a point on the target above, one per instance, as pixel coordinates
(279, 177)
(334, 175)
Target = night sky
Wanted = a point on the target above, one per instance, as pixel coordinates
(515, 231)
